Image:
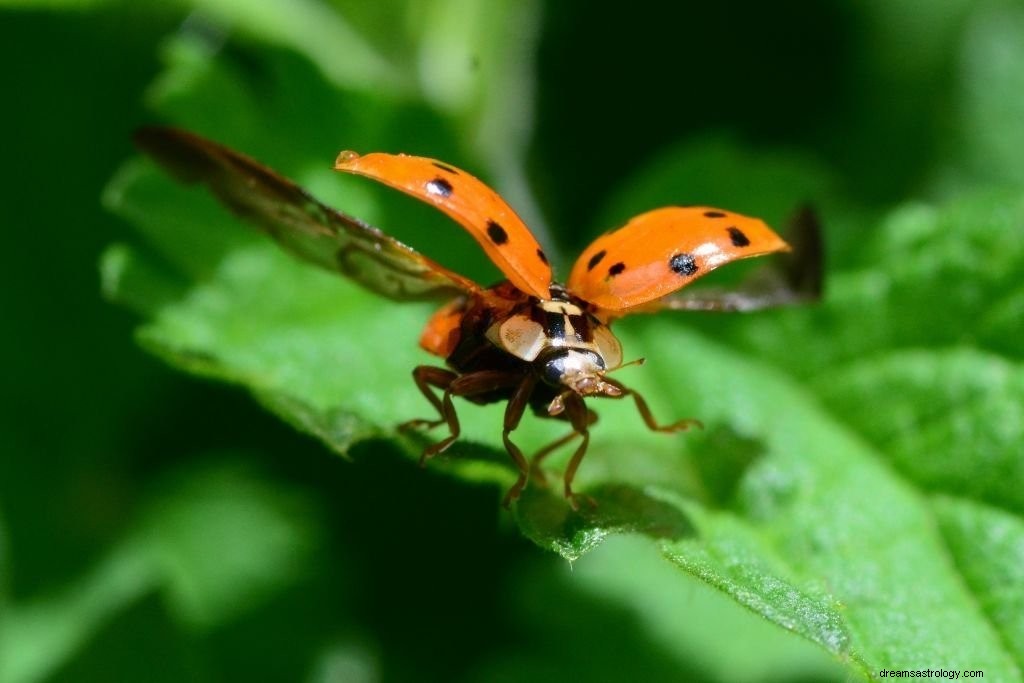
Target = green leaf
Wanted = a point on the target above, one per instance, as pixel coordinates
(624, 612)
(610, 508)
(930, 277)
(844, 525)
(951, 421)
(852, 451)
(987, 547)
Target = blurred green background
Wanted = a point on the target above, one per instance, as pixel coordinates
(158, 527)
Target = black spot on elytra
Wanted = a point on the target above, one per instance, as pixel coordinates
(541, 256)
(616, 269)
(496, 233)
(738, 238)
(683, 264)
(714, 214)
(439, 187)
(595, 259)
(445, 167)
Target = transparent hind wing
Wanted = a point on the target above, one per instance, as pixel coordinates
(299, 222)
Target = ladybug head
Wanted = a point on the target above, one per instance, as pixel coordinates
(580, 370)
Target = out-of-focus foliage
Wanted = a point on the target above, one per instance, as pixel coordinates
(853, 504)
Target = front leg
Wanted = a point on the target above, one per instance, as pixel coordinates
(648, 416)
(580, 419)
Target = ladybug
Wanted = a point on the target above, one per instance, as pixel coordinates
(528, 341)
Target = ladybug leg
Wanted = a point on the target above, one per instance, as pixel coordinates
(513, 415)
(467, 386)
(540, 455)
(580, 418)
(427, 376)
(645, 412)
(452, 418)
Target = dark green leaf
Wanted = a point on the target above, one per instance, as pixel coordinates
(216, 543)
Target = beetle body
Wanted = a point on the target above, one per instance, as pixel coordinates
(526, 341)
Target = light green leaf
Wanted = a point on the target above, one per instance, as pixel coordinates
(951, 421)
(850, 532)
(987, 546)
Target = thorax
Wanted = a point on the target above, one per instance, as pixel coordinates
(504, 329)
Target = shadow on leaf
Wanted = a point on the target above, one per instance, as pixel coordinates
(722, 457)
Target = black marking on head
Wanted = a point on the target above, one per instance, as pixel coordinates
(439, 187)
(683, 264)
(616, 269)
(496, 233)
(595, 259)
(714, 214)
(556, 325)
(542, 257)
(738, 238)
(445, 167)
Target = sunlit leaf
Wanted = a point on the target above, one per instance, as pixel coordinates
(852, 451)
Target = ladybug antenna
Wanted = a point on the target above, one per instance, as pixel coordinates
(635, 361)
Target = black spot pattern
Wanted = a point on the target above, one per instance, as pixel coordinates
(683, 264)
(714, 214)
(543, 258)
(616, 269)
(439, 187)
(496, 233)
(445, 167)
(595, 259)
(738, 238)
